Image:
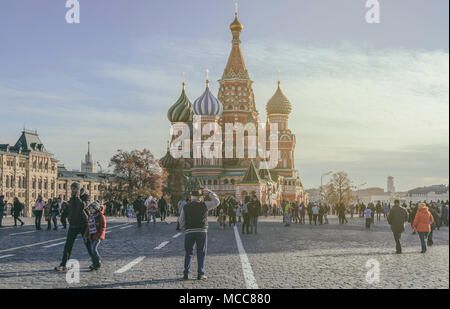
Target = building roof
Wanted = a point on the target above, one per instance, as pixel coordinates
(81, 176)
(28, 142)
(207, 104)
(438, 189)
(235, 68)
(278, 104)
(252, 175)
(181, 111)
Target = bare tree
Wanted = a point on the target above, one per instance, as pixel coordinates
(339, 190)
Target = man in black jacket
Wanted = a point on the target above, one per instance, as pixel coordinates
(162, 207)
(139, 210)
(254, 210)
(194, 220)
(397, 218)
(78, 217)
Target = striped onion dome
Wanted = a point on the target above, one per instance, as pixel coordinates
(181, 111)
(207, 104)
(278, 104)
(168, 161)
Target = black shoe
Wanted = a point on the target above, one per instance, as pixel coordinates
(398, 252)
(201, 277)
(61, 268)
(423, 251)
(55, 229)
(186, 277)
(22, 224)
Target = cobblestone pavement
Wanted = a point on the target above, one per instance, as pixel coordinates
(300, 256)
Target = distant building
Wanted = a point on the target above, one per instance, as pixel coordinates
(88, 166)
(390, 185)
(27, 170)
(428, 194)
(90, 182)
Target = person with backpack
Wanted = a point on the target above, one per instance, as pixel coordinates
(194, 220)
(422, 224)
(54, 212)
(16, 210)
(47, 214)
(95, 233)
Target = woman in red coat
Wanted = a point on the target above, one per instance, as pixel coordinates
(95, 232)
(422, 224)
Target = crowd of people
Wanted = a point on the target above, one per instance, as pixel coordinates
(88, 218)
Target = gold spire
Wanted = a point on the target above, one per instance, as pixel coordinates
(235, 66)
(207, 78)
(184, 84)
(279, 82)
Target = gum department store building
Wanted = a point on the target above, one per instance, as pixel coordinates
(235, 103)
(27, 170)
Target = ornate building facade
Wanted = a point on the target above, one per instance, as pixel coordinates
(28, 170)
(235, 104)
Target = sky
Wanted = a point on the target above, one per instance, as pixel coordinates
(368, 99)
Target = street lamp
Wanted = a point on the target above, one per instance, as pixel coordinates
(357, 192)
(321, 184)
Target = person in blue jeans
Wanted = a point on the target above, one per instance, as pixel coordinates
(194, 220)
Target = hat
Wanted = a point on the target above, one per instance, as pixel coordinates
(95, 206)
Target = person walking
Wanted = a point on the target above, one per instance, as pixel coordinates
(54, 212)
(16, 210)
(239, 212)
(194, 220)
(232, 205)
(47, 214)
(245, 215)
(422, 224)
(302, 211)
(2, 209)
(368, 215)
(38, 209)
(254, 211)
(139, 210)
(95, 233)
(310, 213)
(397, 217)
(162, 207)
(315, 213)
(180, 206)
(434, 225)
(63, 212)
(78, 220)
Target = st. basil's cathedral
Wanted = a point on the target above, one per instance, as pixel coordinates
(235, 103)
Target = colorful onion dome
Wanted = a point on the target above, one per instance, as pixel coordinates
(181, 111)
(278, 104)
(207, 104)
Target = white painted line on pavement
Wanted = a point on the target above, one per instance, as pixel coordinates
(21, 233)
(130, 265)
(41, 243)
(161, 245)
(176, 235)
(5, 256)
(125, 227)
(113, 227)
(53, 245)
(250, 281)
